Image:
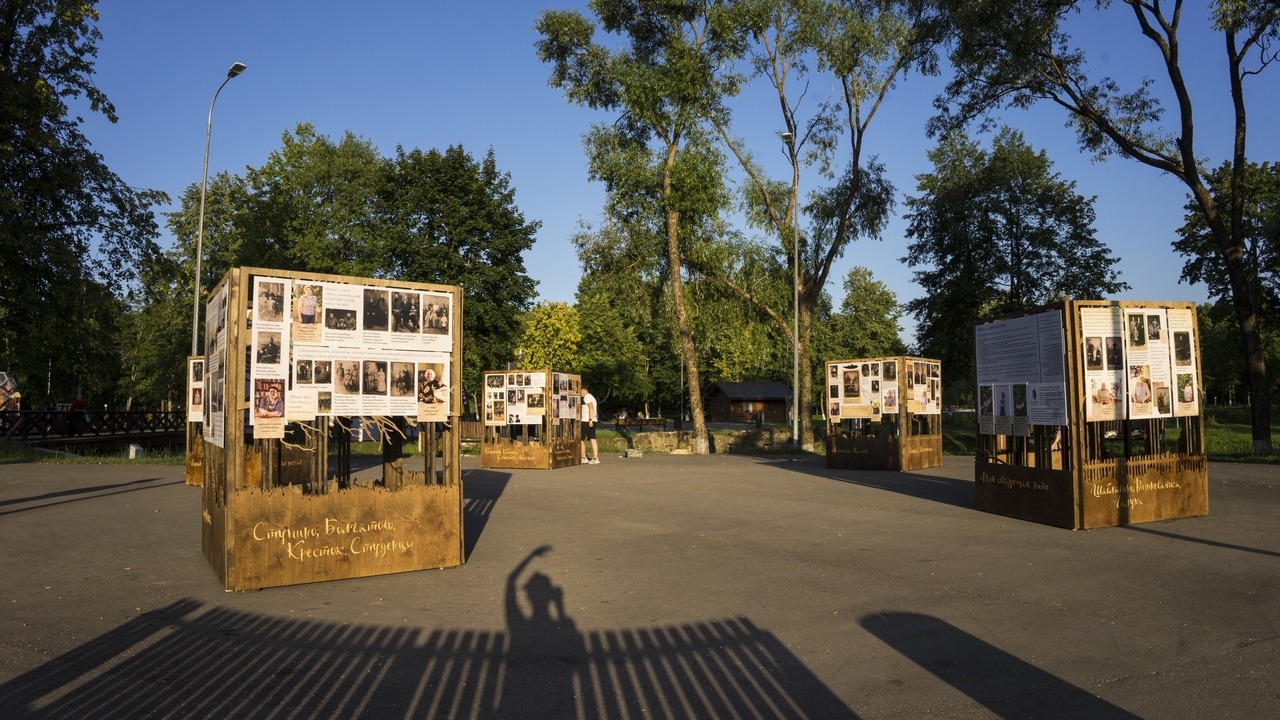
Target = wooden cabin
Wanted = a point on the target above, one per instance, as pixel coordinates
(742, 402)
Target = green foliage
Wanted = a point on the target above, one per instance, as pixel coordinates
(314, 206)
(738, 342)
(1019, 53)
(996, 232)
(1259, 231)
(1220, 352)
(70, 228)
(623, 301)
(614, 362)
(867, 324)
(318, 206)
(550, 338)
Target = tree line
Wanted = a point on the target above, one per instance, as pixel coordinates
(700, 256)
(991, 232)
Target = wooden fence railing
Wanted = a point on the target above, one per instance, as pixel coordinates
(43, 425)
(470, 430)
(39, 425)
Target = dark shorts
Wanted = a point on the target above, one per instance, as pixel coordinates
(588, 431)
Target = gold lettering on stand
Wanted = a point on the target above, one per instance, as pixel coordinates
(314, 542)
(1124, 498)
(1009, 483)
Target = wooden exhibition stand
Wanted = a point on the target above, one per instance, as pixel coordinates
(283, 511)
(516, 435)
(878, 432)
(1105, 472)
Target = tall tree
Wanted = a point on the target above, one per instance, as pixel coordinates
(70, 228)
(550, 338)
(863, 48)
(1020, 52)
(867, 324)
(451, 218)
(432, 217)
(667, 81)
(996, 232)
(1259, 231)
(614, 361)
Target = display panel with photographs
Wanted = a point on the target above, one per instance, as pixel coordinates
(432, 390)
(522, 397)
(215, 367)
(1147, 364)
(1021, 373)
(349, 349)
(195, 390)
(868, 388)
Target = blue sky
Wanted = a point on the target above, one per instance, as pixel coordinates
(434, 74)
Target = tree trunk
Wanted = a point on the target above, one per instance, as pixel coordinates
(675, 263)
(1245, 304)
(1256, 371)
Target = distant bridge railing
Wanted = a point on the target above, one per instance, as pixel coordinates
(78, 426)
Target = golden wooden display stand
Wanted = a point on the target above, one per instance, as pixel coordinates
(1100, 473)
(552, 442)
(879, 433)
(275, 513)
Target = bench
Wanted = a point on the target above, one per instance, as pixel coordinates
(621, 424)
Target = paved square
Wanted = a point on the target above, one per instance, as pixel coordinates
(658, 586)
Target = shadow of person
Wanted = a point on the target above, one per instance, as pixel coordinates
(546, 655)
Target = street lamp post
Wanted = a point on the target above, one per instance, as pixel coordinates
(790, 139)
(236, 69)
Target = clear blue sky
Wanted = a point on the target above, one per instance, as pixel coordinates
(434, 74)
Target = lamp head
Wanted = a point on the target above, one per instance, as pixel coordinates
(236, 69)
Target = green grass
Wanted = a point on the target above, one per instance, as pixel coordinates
(18, 453)
(21, 453)
(959, 434)
(1228, 436)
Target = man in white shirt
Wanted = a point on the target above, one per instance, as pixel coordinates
(589, 418)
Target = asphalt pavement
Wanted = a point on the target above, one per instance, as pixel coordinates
(663, 586)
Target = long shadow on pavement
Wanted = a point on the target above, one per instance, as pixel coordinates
(1006, 685)
(946, 490)
(192, 660)
(84, 493)
(480, 492)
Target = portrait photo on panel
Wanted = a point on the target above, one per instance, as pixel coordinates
(377, 310)
(306, 304)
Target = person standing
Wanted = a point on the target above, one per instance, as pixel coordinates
(589, 418)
